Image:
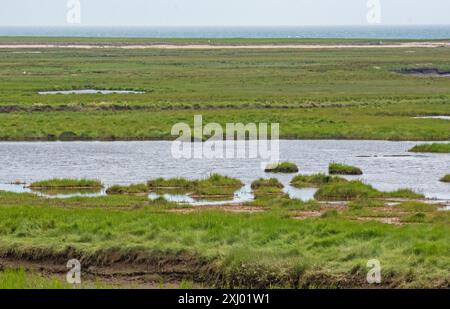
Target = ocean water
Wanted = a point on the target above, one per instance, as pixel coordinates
(351, 32)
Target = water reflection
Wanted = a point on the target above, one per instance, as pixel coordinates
(243, 195)
(303, 194)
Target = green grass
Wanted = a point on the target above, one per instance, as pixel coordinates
(214, 185)
(416, 207)
(291, 253)
(343, 169)
(356, 189)
(20, 279)
(178, 183)
(282, 167)
(339, 94)
(446, 178)
(263, 187)
(433, 148)
(66, 183)
(131, 189)
(314, 181)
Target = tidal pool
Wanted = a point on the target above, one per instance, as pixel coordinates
(91, 91)
(386, 165)
(434, 117)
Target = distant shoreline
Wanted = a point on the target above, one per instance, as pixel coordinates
(430, 44)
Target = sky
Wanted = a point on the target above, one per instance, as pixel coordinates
(223, 12)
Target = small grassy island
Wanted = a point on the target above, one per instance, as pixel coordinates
(140, 188)
(283, 167)
(262, 187)
(446, 178)
(314, 181)
(340, 191)
(343, 169)
(215, 185)
(432, 148)
(66, 184)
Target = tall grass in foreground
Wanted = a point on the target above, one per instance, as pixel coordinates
(20, 279)
(243, 250)
(29, 280)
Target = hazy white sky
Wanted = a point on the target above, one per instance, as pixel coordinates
(223, 12)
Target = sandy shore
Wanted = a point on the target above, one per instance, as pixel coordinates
(206, 46)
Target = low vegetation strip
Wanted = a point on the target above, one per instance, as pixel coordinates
(130, 189)
(263, 187)
(66, 184)
(446, 178)
(433, 148)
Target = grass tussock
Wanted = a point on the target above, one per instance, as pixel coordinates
(20, 279)
(432, 148)
(446, 178)
(356, 189)
(314, 181)
(283, 167)
(214, 185)
(343, 169)
(221, 247)
(262, 187)
(66, 184)
(140, 188)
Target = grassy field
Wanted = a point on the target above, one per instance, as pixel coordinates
(271, 242)
(218, 248)
(344, 94)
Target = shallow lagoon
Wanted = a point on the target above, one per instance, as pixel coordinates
(387, 165)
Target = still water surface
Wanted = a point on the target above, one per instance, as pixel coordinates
(386, 165)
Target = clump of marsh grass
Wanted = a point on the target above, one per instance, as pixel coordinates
(433, 148)
(414, 206)
(214, 185)
(140, 188)
(446, 178)
(314, 181)
(283, 167)
(403, 193)
(356, 189)
(343, 169)
(262, 187)
(66, 184)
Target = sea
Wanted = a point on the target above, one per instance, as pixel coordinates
(424, 32)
